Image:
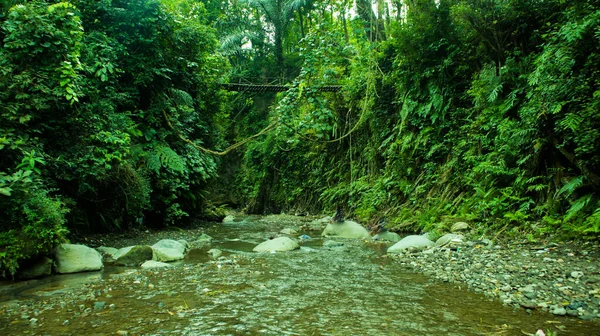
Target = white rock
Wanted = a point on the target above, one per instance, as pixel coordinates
(387, 236)
(413, 241)
(288, 231)
(215, 253)
(346, 229)
(278, 244)
(72, 258)
(459, 226)
(168, 250)
(576, 274)
(155, 264)
(447, 238)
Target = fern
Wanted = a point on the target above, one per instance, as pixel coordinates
(577, 206)
(181, 97)
(572, 122)
(570, 187)
(164, 156)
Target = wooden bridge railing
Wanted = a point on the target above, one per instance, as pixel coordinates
(271, 88)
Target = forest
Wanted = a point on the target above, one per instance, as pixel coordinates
(113, 115)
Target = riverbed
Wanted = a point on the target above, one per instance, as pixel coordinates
(351, 289)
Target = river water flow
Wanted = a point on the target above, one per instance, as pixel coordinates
(348, 290)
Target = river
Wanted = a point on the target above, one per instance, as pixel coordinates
(353, 289)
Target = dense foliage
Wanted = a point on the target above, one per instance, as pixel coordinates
(85, 87)
(484, 111)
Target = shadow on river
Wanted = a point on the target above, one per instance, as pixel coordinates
(352, 290)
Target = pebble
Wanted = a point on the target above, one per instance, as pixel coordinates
(559, 311)
(576, 274)
(99, 305)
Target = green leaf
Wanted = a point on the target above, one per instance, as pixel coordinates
(5, 191)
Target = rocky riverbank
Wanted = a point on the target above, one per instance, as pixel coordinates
(560, 278)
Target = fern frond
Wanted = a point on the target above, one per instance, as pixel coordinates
(579, 204)
(164, 156)
(181, 97)
(570, 187)
(572, 121)
(170, 159)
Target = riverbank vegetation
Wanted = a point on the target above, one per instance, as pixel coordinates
(483, 111)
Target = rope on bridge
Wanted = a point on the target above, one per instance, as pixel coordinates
(267, 129)
(271, 126)
(271, 88)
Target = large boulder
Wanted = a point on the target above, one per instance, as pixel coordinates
(168, 250)
(387, 236)
(39, 268)
(410, 242)
(346, 229)
(133, 255)
(279, 244)
(73, 258)
(109, 254)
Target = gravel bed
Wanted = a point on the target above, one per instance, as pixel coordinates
(563, 279)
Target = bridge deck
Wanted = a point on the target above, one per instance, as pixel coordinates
(271, 88)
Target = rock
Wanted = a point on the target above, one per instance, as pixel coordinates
(447, 238)
(288, 231)
(168, 250)
(346, 229)
(332, 244)
(387, 236)
(108, 253)
(205, 237)
(528, 304)
(155, 264)
(408, 242)
(587, 317)
(572, 312)
(559, 311)
(576, 274)
(134, 255)
(279, 244)
(307, 249)
(122, 333)
(215, 253)
(429, 235)
(99, 305)
(39, 268)
(459, 226)
(484, 242)
(229, 219)
(72, 258)
(184, 243)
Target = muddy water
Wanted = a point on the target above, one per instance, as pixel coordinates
(350, 290)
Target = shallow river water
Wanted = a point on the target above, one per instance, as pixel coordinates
(349, 290)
